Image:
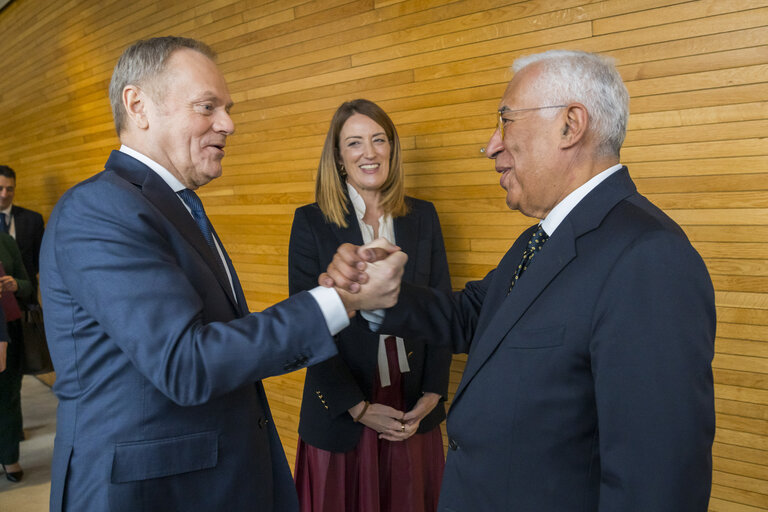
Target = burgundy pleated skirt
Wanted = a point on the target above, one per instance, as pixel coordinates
(378, 475)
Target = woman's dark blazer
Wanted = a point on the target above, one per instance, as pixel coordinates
(335, 385)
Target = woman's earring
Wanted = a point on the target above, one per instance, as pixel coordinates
(342, 171)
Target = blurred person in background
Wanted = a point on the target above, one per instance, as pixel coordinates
(15, 287)
(24, 225)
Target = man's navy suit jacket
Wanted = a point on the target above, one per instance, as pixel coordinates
(589, 387)
(158, 364)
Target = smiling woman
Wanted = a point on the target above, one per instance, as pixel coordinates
(369, 424)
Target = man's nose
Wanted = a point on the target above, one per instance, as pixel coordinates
(495, 145)
(225, 124)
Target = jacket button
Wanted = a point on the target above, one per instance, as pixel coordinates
(263, 422)
(452, 444)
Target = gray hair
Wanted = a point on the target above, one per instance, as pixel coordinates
(141, 63)
(590, 79)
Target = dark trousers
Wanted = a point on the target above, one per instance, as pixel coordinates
(11, 432)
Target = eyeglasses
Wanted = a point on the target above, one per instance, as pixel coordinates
(504, 110)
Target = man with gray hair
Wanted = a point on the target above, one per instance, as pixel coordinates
(588, 385)
(157, 357)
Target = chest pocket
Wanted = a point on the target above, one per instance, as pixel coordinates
(544, 337)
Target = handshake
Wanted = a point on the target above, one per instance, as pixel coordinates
(366, 277)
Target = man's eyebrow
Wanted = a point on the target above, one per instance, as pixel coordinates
(504, 109)
(211, 96)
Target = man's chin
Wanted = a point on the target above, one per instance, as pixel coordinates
(208, 175)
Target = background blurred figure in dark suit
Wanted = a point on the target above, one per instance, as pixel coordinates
(14, 284)
(25, 225)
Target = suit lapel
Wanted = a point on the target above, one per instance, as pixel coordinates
(19, 221)
(168, 203)
(242, 305)
(557, 253)
(350, 234)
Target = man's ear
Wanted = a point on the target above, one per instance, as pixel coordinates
(136, 104)
(576, 122)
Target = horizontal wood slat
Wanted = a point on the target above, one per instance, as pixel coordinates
(697, 143)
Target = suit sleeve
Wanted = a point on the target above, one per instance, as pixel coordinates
(17, 270)
(333, 376)
(437, 364)
(448, 319)
(114, 257)
(651, 351)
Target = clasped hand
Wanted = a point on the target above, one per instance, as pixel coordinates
(8, 283)
(366, 277)
(395, 425)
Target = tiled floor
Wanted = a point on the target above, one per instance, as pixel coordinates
(31, 494)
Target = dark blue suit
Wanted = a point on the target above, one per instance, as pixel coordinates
(158, 366)
(589, 387)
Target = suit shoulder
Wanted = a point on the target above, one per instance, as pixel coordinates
(636, 222)
(26, 212)
(419, 205)
(309, 209)
(104, 192)
(641, 215)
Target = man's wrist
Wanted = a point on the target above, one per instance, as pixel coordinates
(333, 308)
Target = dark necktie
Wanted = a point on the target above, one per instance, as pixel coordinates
(4, 226)
(198, 213)
(534, 245)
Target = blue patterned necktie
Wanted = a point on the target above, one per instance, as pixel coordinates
(534, 245)
(198, 213)
(4, 226)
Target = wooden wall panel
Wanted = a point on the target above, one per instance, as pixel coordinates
(697, 72)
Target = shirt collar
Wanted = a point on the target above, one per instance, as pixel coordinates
(357, 201)
(7, 211)
(564, 207)
(161, 171)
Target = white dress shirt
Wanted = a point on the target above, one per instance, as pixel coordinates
(387, 231)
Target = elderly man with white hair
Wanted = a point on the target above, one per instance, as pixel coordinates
(588, 385)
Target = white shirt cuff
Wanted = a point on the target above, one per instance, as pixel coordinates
(333, 310)
(375, 318)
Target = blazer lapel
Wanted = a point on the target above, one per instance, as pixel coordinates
(350, 234)
(168, 203)
(557, 253)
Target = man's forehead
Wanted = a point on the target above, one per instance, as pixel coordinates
(198, 75)
(517, 91)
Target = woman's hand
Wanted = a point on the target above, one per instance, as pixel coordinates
(424, 406)
(385, 420)
(9, 284)
(3, 353)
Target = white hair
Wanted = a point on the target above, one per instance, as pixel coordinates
(590, 79)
